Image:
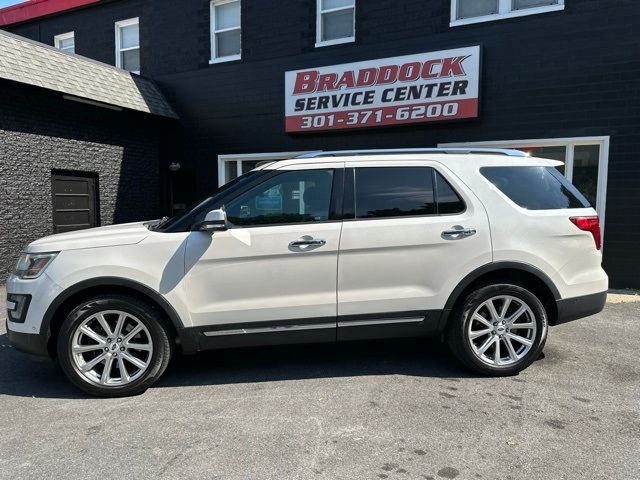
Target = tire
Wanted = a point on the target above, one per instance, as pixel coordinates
(502, 328)
(136, 359)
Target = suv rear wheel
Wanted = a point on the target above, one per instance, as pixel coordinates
(498, 329)
(114, 346)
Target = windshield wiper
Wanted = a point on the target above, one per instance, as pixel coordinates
(155, 224)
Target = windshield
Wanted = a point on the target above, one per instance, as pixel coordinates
(184, 219)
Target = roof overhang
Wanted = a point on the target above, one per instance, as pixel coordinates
(79, 78)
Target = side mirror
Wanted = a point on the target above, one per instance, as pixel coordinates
(214, 221)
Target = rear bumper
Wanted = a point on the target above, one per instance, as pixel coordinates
(32, 343)
(570, 309)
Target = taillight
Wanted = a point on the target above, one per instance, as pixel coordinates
(589, 224)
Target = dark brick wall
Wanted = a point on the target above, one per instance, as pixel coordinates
(563, 74)
(41, 132)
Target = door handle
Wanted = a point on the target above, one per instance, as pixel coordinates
(458, 232)
(303, 242)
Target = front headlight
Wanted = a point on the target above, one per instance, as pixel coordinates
(31, 265)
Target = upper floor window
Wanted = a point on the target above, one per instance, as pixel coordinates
(225, 30)
(335, 22)
(65, 42)
(128, 45)
(464, 12)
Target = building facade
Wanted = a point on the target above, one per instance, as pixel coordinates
(254, 80)
(80, 145)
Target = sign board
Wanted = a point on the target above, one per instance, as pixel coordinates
(426, 87)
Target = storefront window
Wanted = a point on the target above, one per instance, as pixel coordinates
(552, 153)
(232, 166)
(585, 171)
(249, 165)
(230, 171)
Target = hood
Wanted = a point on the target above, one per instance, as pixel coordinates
(124, 234)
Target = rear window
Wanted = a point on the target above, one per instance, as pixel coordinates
(535, 188)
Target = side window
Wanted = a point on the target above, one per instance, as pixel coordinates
(394, 192)
(449, 202)
(535, 188)
(290, 197)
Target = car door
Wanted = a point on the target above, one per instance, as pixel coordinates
(403, 252)
(271, 277)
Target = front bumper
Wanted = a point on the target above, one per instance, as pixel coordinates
(570, 309)
(32, 343)
(42, 291)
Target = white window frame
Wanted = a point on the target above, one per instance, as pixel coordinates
(569, 143)
(119, 50)
(58, 39)
(505, 10)
(337, 41)
(213, 32)
(241, 157)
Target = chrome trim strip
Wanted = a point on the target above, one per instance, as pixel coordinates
(382, 321)
(278, 329)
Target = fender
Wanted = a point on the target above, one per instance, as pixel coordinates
(110, 282)
(492, 267)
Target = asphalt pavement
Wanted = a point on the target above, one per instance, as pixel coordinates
(374, 410)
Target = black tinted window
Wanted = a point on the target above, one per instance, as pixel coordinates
(448, 200)
(535, 188)
(289, 197)
(394, 192)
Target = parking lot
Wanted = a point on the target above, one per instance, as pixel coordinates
(373, 410)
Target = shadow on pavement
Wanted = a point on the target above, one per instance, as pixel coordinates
(414, 357)
(26, 376)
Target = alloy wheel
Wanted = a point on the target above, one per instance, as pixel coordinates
(502, 330)
(111, 348)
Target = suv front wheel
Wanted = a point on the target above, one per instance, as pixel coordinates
(498, 329)
(113, 346)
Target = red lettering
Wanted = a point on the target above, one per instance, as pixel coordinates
(366, 77)
(427, 69)
(327, 82)
(346, 80)
(388, 74)
(409, 72)
(453, 67)
(305, 82)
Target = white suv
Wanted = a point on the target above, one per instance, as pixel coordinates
(486, 248)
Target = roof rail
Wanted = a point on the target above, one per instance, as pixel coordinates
(450, 151)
